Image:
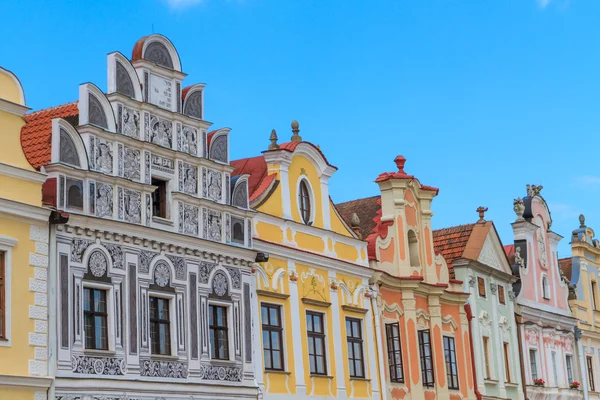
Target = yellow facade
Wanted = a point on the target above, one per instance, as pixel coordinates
(24, 249)
(316, 265)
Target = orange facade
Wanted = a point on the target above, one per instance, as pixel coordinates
(424, 323)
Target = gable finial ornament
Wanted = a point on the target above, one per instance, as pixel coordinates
(581, 221)
(519, 207)
(273, 139)
(355, 225)
(534, 190)
(295, 129)
(481, 210)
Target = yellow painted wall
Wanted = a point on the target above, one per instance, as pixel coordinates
(336, 223)
(18, 394)
(9, 89)
(301, 166)
(11, 151)
(14, 360)
(20, 190)
(269, 232)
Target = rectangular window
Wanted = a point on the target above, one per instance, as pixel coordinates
(426, 359)
(486, 357)
(481, 286)
(507, 361)
(451, 367)
(160, 326)
(159, 198)
(272, 336)
(501, 297)
(392, 334)
(95, 319)
(355, 347)
(594, 289)
(554, 368)
(569, 362)
(2, 297)
(533, 364)
(316, 343)
(219, 334)
(590, 368)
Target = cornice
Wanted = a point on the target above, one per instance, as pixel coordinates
(22, 173)
(13, 108)
(485, 270)
(73, 172)
(157, 239)
(203, 202)
(23, 211)
(24, 382)
(275, 295)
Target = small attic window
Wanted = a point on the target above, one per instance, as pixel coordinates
(304, 202)
(545, 287)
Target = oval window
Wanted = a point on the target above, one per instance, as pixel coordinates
(304, 202)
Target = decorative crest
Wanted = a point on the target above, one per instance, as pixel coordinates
(581, 221)
(295, 129)
(534, 190)
(273, 139)
(400, 161)
(519, 207)
(481, 210)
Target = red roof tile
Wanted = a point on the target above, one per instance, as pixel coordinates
(36, 134)
(509, 249)
(566, 265)
(452, 242)
(291, 147)
(259, 179)
(136, 54)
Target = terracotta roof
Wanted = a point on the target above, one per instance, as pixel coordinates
(366, 210)
(452, 242)
(291, 147)
(509, 249)
(259, 179)
(136, 54)
(36, 134)
(566, 265)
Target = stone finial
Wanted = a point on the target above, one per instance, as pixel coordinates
(581, 221)
(481, 210)
(355, 225)
(400, 161)
(273, 139)
(519, 207)
(295, 129)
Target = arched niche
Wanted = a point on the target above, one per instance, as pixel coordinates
(193, 101)
(11, 88)
(122, 77)
(413, 249)
(159, 50)
(239, 193)
(94, 108)
(67, 145)
(218, 149)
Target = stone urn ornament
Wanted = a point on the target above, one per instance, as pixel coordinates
(519, 207)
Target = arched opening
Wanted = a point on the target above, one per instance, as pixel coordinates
(75, 197)
(304, 203)
(413, 249)
(238, 233)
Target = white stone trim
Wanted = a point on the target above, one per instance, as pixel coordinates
(83, 105)
(110, 308)
(24, 382)
(22, 173)
(167, 43)
(172, 297)
(112, 59)
(23, 211)
(230, 325)
(6, 246)
(57, 124)
(313, 203)
(38, 312)
(13, 108)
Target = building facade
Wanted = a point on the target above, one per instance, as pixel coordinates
(318, 318)
(151, 276)
(477, 258)
(23, 258)
(425, 332)
(582, 269)
(546, 325)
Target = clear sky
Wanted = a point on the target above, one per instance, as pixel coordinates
(481, 97)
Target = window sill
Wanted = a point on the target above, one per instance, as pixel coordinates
(162, 221)
(321, 376)
(490, 381)
(352, 378)
(216, 361)
(274, 371)
(95, 352)
(511, 384)
(163, 357)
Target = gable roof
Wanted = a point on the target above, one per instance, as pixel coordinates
(259, 180)
(451, 242)
(366, 210)
(566, 266)
(36, 134)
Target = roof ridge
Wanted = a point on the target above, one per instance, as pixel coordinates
(52, 108)
(363, 198)
(455, 226)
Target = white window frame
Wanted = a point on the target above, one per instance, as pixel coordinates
(364, 353)
(230, 328)
(172, 322)
(6, 246)
(573, 370)
(110, 315)
(328, 359)
(545, 288)
(537, 363)
(311, 195)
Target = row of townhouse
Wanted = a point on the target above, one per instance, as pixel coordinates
(137, 261)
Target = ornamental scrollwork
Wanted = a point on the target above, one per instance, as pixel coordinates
(78, 247)
(205, 270)
(98, 365)
(162, 275)
(219, 284)
(236, 277)
(164, 369)
(98, 263)
(218, 373)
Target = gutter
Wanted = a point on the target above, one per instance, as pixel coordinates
(519, 322)
(469, 318)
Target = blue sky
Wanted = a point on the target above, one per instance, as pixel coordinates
(481, 97)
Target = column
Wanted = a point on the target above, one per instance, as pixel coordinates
(296, 334)
(410, 326)
(437, 342)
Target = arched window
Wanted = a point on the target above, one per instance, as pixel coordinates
(75, 197)
(545, 287)
(304, 202)
(238, 232)
(413, 249)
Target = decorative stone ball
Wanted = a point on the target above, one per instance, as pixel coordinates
(295, 124)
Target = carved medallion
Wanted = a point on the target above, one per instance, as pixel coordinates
(98, 264)
(162, 275)
(220, 286)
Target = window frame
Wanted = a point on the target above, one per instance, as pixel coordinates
(213, 329)
(391, 353)
(569, 367)
(6, 245)
(314, 336)
(352, 340)
(501, 295)
(506, 348)
(451, 374)
(163, 190)
(424, 358)
(95, 314)
(589, 362)
(594, 289)
(3, 290)
(305, 201)
(273, 329)
(171, 325)
(110, 307)
(545, 287)
(533, 365)
(481, 289)
(485, 341)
